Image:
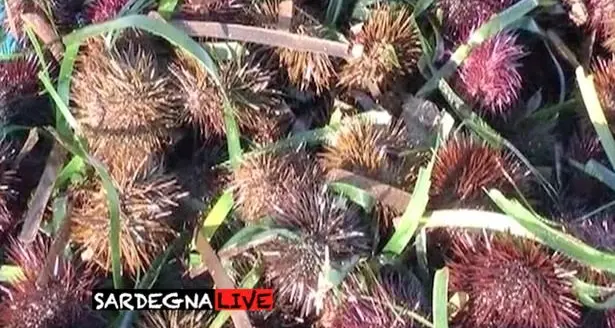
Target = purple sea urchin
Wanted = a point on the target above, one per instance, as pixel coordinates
(597, 231)
(61, 303)
(511, 282)
(464, 166)
(490, 76)
(375, 307)
(98, 11)
(462, 17)
(258, 104)
(323, 224)
(146, 211)
(67, 14)
(392, 49)
(121, 96)
(19, 87)
(264, 180)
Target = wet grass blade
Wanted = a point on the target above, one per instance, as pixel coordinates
(588, 292)
(598, 171)
(357, 195)
(440, 298)
(166, 8)
(217, 215)
(10, 273)
(596, 113)
(557, 240)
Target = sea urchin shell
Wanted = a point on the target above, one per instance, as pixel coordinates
(511, 282)
(490, 76)
(392, 49)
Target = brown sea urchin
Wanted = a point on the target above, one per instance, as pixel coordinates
(146, 216)
(264, 180)
(257, 103)
(465, 166)
(604, 79)
(511, 282)
(490, 76)
(323, 224)
(392, 49)
(62, 302)
(121, 95)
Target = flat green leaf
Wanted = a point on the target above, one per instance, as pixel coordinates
(557, 240)
(334, 10)
(596, 113)
(598, 171)
(225, 50)
(166, 8)
(75, 167)
(217, 215)
(421, 6)
(440, 298)
(357, 195)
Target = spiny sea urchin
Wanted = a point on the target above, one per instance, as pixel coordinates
(464, 166)
(462, 17)
(12, 22)
(256, 101)
(511, 282)
(174, 319)
(20, 102)
(490, 76)
(146, 217)
(598, 230)
(600, 14)
(67, 14)
(323, 223)
(263, 181)
(604, 79)
(61, 303)
(392, 49)
(306, 70)
(98, 11)
(375, 307)
(122, 96)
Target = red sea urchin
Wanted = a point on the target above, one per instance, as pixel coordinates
(323, 224)
(146, 208)
(490, 77)
(465, 166)
(98, 11)
(462, 17)
(375, 307)
(392, 49)
(511, 282)
(61, 303)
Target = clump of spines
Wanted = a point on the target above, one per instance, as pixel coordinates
(597, 230)
(20, 102)
(147, 207)
(323, 223)
(8, 181)
(61, 302)
(465, 166)
(461, 18)
(264, 180)
(375, 152)
(490, 76)
(502, 275)
(391, 50)
(374, 305)
(98, 11)
(257, 103)
(306, 70)
(125, 104)
(13, 23)
(67, 14)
